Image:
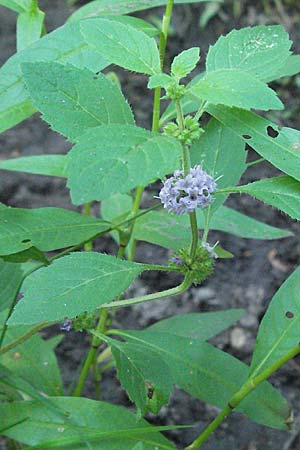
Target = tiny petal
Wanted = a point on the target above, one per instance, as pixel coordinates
(183, 194)
(66, 325)
(210, 249)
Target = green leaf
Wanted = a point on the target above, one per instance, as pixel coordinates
(291, 67)
(160, 80)
(282, 151)
(137, 23)
(74, 100)
(114, 208)
(212, 375)
(279, 330)
(173, 232)
(261, 51)
(29, 27)
(72, 285)
(18, 6)
(281, 192)
(103, 7)
(215, 151)
(234, 222)
(185, 62)
(231, 87)
(31, 253)
(65, 45)
(50, 165)
(34, 361)
(149, 381)
(87, 421)
(123, 45)
(11, 277)
(116, 158)
(44, 228)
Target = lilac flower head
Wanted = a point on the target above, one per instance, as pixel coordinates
(177, 260)
(66, 325)
(183, 194)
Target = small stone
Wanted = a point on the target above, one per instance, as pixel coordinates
(238, 338)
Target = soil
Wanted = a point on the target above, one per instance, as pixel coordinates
(248, 281)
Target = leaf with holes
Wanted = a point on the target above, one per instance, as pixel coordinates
(281, 192)
(102, 7)
(72, 285)
(231, 87)
(74, 100)
(173, 232)
(65, 45)
(211, 375)
(149, 381)
(77, 423)
(11, 276)
(122, 44)
(45, 228)
(215, 151)
(280, 147)
(279, 330)
(261, 51)
(116, 158)
(50, 165)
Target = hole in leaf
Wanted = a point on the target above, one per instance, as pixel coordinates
(246, 136)
(25, 241)
(289, 315)
(272, 132)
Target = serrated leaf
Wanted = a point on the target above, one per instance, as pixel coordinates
(231, 87)
(261, 51)
(215, 150)
(281, 192)
(64, 45)
(116, 158)
(282, 151)
(149, 381)
(185, 62)
(74, 100)
(72, 285)
(18, 6)
(50, 165)
(212, 375)
(122, 45)
(279, 329)
(160, 80)
(173, 232)
(34, 361)
(87, 422)
(11, 277)
(102, 7)
(45, 228)
(29, 27)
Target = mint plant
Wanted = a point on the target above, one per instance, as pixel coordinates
(196, 148)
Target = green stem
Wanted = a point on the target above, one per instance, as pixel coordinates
(257, 161)
(146, 298)
(88, 246)
(91, 354)
(245, 390)
(186, 167)
(156, 107)
(23, 338)
(200, 110)
(195, 237)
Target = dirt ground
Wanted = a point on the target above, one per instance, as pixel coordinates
(248, 281)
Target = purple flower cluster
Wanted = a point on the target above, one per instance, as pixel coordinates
(183, 194)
